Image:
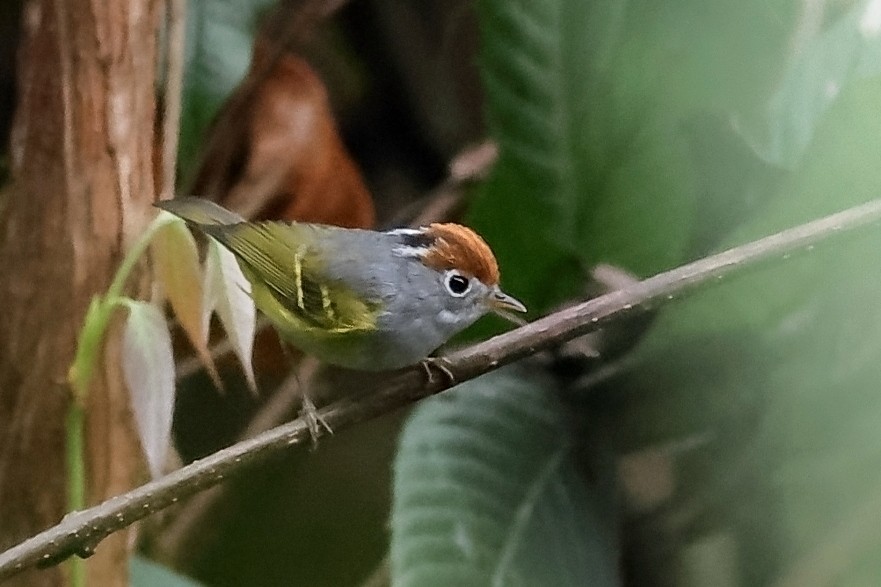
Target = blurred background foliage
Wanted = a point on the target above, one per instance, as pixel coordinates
(732, 438)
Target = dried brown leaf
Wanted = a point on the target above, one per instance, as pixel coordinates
(296, 166)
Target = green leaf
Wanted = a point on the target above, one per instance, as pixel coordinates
(148, 370)
(590, 170)
(486, 493)
(845, 52)
(837, 171)
(815, 319)
(146, 573)
(823, 418)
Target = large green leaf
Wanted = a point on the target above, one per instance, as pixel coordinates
(814, 319)
(220, 36)
(486, 493)
(845, 52)
(588, 102)
(762, 391)
(835, 142)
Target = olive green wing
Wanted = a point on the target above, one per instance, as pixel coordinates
(287, 280)
(199, 212)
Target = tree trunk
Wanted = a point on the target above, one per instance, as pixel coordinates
(83, 181)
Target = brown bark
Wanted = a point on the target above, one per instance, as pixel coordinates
(82, 186)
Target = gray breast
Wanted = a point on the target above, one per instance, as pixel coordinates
(411, 296)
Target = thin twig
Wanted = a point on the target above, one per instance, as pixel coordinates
(174, 75)
(445, 201)
(219, 147)
(80, 532)
(177, 537)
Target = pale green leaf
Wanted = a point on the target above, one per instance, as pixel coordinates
(176, 263)
(148, 370)
(228, 293)
(844, 52)
(486, 493)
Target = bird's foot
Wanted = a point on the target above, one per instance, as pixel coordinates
(441, 364)
(313, 420)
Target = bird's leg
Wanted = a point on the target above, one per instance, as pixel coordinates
(442, 364)
(308, 410)
(313, 420)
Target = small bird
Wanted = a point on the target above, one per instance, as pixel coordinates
(359, 299)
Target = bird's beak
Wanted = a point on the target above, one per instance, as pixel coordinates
(501, 305)
(502, 301)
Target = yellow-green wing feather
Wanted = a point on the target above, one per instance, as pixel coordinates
(199, 212)
(287, 281)
(286, 276)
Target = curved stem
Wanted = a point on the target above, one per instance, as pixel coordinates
(89, 344)
(133, 255)
(76, 478)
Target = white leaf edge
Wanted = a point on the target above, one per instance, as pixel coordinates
(148, 372)
(228, 293)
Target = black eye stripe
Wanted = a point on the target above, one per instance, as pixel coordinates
(419, 241)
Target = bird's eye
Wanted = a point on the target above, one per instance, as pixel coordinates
(457, 284)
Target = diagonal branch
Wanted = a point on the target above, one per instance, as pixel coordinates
(80, 532)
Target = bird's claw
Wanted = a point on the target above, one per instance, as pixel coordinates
(442, 364)
(313, 420)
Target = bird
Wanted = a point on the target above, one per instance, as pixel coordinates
(356, 298)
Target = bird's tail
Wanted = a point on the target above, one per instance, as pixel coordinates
(199, 211)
